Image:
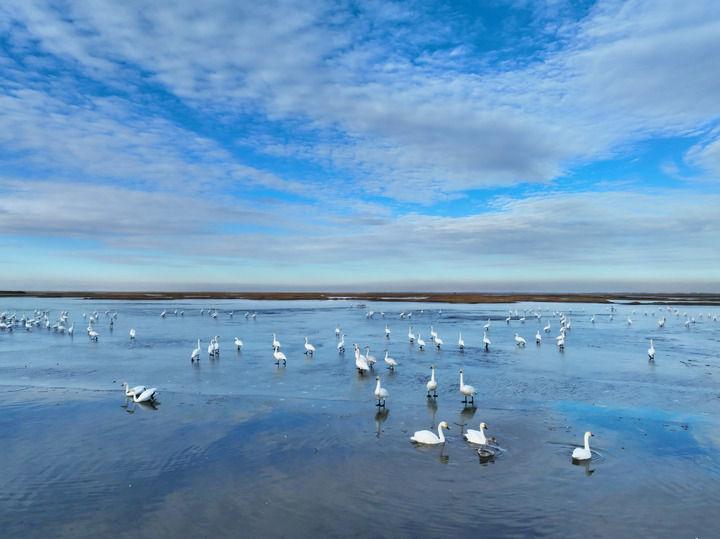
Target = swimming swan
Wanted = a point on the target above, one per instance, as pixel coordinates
(583, 453)
(428, 437)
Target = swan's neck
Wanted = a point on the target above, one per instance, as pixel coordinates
(461, 380)
(587, 443)
(441, 434)
(377, 387)
(432, 377)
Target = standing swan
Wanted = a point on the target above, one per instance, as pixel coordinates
(651, 351)
(309, 348)
(390, 362)
(238, 343)
(195, 356)
(275, 343)
(421, 343)
(538, 337)
(279, 356)
(432, 384)
(486, 341)
(132, 334)
(387, 332)
(341, 344)
(428, 437)
(461, 342)
(583, 453)
(467, 390)
(519, 340)
(380, 393)
(360, 362)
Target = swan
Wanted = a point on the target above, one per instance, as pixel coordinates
(93, 334)
(629, 322)
(467, 390)
(486, 341)
(309, 348)
(507, 320)
(279, 356)
(371, 360)
(380, 393)
(538, 337)
(546, 329)
(337, 331)
(162, 314)
(477, 436)
(275, 343)
(421, 343)
(360, 361)
(428, 437)
(651, 351)
(461, 342)
(195, 356)
(387, 332)
(341, 344)
(592, 320)
(70, 331)
(132, 333)
(433, 334)
(661, 322)
(238, 343)
(146, 396)
(211, 347)
(438, 341)
(561, 341)
(411, 335)
(132, 391)
(486, 327)
(432, 384)
(519, 340)
(583, 453)
(391, 363)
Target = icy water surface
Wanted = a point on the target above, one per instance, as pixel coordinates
(239, 447)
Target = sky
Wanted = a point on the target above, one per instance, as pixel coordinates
(499, 145)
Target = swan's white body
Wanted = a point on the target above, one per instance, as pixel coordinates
(432, 384)
(477, 436)
(519, 340)
(132, 391)
(279, 356)
(337, 331)
(309, 348)
(438, 341)
(466, 389)
(486, 341)
(538, 337)
(71, 329)
(380, 393)
(196, 353)
(275, 343)
(341, 344)
(146, 396)
(132, 333)
(390, 362)
(420, 342)
(411, 335)
(433, 334)
(546, 329)
(360, 361)
(486, 327)
(651, 350)
(371, 360)
(428, 437)
(583, 453)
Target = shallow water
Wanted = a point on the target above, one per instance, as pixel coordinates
(237, 445)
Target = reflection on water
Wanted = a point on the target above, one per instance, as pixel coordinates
(237, 446)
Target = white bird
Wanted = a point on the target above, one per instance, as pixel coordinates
(661, 322)
(421, 342)
(467, 390)
(132, 333)
(561, 341)
(211, 347)
(433, 334)
(538, 337)
(275, 343)
(592, 320)
(486, 327)
(380, 393)
(477, 436)
(629, 322)
(507, 320)
(195, 356)
(70, 331)
(146, 396)
(162, 314)
(461, 342)
(360, 361)
(337, 330)
(432, 384)
(93, 334)
(341, 344)
(387, 332)
(371, 360)
(309, 348)
(546, 329)
(391, 363)
(428, 437)
(279, 356)
(238, 343)
(486, 341)
(132, 391)
(651, 351)
(583, 453)
(519, 340)
(438, 341)
(411, 335)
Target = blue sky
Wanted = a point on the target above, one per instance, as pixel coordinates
(498, 145)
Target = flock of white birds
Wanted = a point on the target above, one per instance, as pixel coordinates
(364, 362)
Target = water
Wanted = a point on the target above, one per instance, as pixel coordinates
(237, 446)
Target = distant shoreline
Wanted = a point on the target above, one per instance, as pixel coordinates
(424, 297)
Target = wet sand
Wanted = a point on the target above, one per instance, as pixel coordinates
(422, 297)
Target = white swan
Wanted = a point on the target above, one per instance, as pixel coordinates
(380, 393)
(546, 329)
(433, 334)
(337, 331)
(195, 353)
(538, 337)
(421, 342)
(360, 361)
(432, 384)
(146, 396)
(238, 343)
(438, 341)
(486, 341)
(309, 348)
(371, 360)
(411, 335)
(477, 436)
(387, 332)
(428, 437)
(132, 391)
(461, 342)
(519, 340)
(583, 453)
(467, 390)
(651, 351)
(70, 331)
(341, 343)
(279, 356)
(391, 362)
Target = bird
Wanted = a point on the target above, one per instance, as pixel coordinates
(387, 332)
(486, 341)
(432, 384)
(275, 343)
(279, 356)
(651, 351)
(477, 436)
(132, 391)
(433, 334)
(538, 337)
(337, 331)
(421, 343)
(438, 341)
(391, 363)
(71, 329)
(132, 334)
(93, 334)
(360, 361)
(629, 322)
(341, 344)
(146, 396)
(309, 348)
(592, 320)
(380, 393)
(546, 329)
(486, 327)
(428, 437)
(519, 340)
(238, 343)
(583, 453)
(461, 342)
(371, 360)
(561, 341)
(411, 335)
(195, 356)
(467, 390)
